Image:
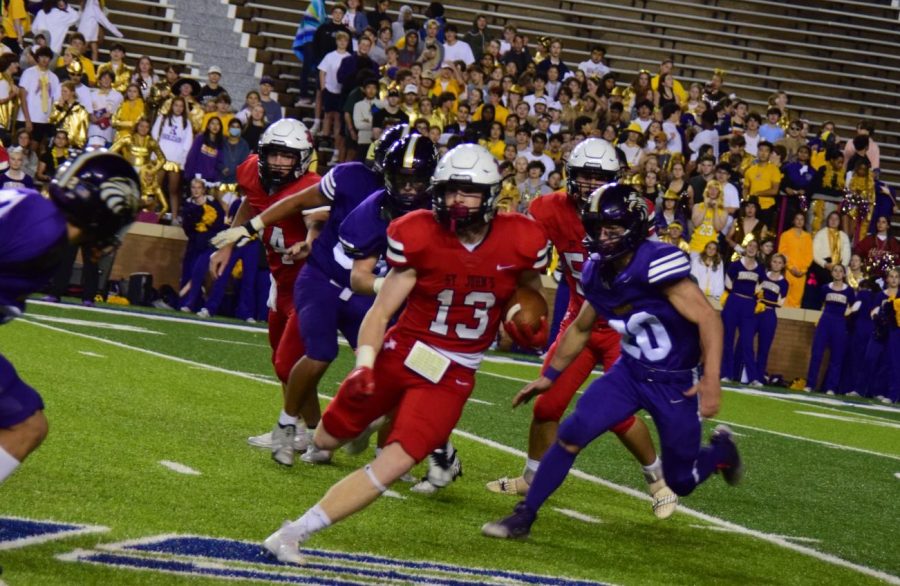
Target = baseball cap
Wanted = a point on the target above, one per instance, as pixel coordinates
(411, 89)
(447, 65)
(214, 69)
(266, 80)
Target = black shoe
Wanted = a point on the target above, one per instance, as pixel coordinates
(732, 468)
(516, 526)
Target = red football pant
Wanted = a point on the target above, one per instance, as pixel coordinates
(603, 346)
(426, 412)
(284, 337)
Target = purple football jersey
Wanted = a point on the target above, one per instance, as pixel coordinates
(653, 332)
(33, 235)
(346, 186)
(363, 232)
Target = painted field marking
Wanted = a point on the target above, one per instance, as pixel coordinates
(235, 342)
(393, 494)
(577, 516)
(788, 537)
(91, 354)
(94, 324)
(851, 419)
(480, 402)
(16, 532)
(806, 439)
(826, 557)
(179, 467)
(897, 475)
(234, 559)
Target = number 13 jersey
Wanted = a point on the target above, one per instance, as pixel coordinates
(460, 292)
(634, 302)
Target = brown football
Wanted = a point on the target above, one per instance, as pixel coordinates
(526, 308)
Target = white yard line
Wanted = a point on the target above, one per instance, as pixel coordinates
(91, 354)
(577, 516)
(480, 402)
(179, 467)
(768, 537)
(94, 324)
(851, 418)
(221, 341)
(729, 530)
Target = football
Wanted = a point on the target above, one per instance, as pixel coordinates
(526, 308)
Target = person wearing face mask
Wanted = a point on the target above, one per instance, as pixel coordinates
(235, 151)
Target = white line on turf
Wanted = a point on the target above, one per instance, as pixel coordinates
(480, 402)
(221, 341)
(729, 530)
(877, 423)
(577, 516)
(897, 475)
(768, 537)
(91, 354)
(94, 324)
(393, 494)
(806, 439)
(180, 468)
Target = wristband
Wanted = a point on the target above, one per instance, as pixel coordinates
(365, 357)
(376, 285)
(552, 374)
(255, 224)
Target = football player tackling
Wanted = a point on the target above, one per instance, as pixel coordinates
(668, 328)
(455, 268)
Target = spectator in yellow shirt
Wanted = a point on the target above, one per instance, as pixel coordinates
(222, 112)
(76, 48)
(16, 22)
(495, 98)
(761, 181)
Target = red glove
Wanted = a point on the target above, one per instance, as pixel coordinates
(526, 337)
(359, 384)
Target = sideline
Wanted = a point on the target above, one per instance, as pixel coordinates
(768, 537)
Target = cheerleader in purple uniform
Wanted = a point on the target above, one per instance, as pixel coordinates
(772, 292)
(831, 332)
(883, 352)
(741, 280)
(855, 375)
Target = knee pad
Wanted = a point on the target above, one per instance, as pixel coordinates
(623, 426)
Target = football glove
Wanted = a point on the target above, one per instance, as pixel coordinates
(233, 236)
(359, 384)
(527, 337)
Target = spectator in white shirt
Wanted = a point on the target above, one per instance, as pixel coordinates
(595, 65)
(671, 114)
(38, 90)
(363, 117)
(707, 269)
(104, 103)
(707, 136)
(331, 92)
(538, 142)
(454, 49)
(509, 33)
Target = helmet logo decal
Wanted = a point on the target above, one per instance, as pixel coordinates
(118, 194)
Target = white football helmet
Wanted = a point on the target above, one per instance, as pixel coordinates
(288, 136)
(592, 163)
(470, 167)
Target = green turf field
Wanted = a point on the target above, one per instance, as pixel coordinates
(125, 392)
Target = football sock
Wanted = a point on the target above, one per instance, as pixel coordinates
(285, 419)
(531, 467)
(8, 464)
(312, 521)
(653, 472)
(554, 466)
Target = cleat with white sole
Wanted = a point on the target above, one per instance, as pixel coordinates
(283, 444)
(512, 486)
(314, 455)
(516, 526)
(424, 487)
(360, 443)
(664, 500)
(283, 548)
(301, 440)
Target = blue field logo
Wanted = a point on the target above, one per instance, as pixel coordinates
(187, 555)
(16, 532)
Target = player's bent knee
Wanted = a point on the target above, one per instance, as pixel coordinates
(682, 484)
(546, 409)
(623, 426)
(392, 463)
(571, 448)
(29, 434)
(324, 440)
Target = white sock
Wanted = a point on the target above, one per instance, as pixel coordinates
(8, 464)
(377, 451)
(285, 419)
(653, 472)
(312, 521)
(531, 467)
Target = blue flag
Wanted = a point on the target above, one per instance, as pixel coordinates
(312, 18)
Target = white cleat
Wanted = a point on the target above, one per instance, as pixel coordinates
(424, 487)
(512, 486)
(853, 394)
(360, 443)
(301, 440)
(284, 549)
(314, 455)
(283, 444)
(664, 500)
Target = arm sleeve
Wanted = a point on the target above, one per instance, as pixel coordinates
(329, 184)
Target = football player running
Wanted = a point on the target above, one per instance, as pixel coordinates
(592, 163)
(93, 200)
(454, 268)
(408, 167)
(668, 329)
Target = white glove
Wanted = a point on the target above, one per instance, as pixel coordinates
(240, 235)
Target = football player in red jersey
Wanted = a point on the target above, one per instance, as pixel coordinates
(280, 170)
(455, 268)
(592, 163)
